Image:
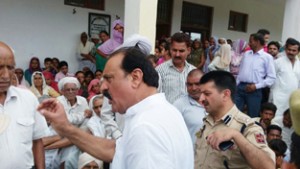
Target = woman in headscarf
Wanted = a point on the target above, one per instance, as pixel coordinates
(110, 45)
(94, 88)
(39, 86)
(213, 48)
(50, 80)
(95, 124)
(238, 49)
(34, 65)
(222, 59)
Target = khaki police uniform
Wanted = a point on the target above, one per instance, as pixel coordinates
(206, 157)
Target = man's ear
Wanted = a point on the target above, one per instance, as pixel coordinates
(136, 77)
(227, 94)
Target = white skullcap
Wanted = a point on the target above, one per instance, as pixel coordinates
(85, 158)
(95, 36)
(66, 80)
(140, 41)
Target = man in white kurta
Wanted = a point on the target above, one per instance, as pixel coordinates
(287, 70)
(154, 135)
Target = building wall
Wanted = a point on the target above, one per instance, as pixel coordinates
(266, 14)
(46, 28)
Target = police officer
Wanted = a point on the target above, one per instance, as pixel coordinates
(226, 123)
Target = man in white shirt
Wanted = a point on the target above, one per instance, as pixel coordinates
(189, 105)
(21, 145)
(77, 111)
(287, 69)
(173, 73)
(155, 135)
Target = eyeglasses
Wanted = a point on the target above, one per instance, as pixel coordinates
(70, 90)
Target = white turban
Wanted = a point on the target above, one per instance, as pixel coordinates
(66, 80)
(85, 158)
(142, 42)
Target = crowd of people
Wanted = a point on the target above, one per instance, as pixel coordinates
(214, 103)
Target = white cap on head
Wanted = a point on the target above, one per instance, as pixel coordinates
(95, 36)
(66, 80)
(142, 42)
(85, 158)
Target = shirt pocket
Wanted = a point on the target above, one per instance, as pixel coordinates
(25, 129)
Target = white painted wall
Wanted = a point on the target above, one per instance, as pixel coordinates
(266, 14)
(47, 28)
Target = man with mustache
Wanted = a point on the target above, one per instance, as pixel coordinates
(287, 69)
(173, 72)
(267, 113)
(225, 122)
(155, 135)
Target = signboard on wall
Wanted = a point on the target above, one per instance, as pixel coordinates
(98, 23)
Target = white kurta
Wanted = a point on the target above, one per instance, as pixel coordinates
(287, 81)
(154, 136)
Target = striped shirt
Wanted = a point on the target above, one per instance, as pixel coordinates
(172, 81)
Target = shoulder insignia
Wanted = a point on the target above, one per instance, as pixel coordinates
(200, 132)
(260, 138)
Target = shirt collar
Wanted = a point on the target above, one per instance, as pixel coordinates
(258, 52)
(193, 102)
(145, 104)
(11, 93)
(226, 119)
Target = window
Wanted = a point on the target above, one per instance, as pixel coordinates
(92, 4)
(238, 21)
(164, 18)
(196, 20)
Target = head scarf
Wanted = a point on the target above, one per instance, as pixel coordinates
(91, 103)
(45, 87)
(216, 47)
(117, 39)
(238, 48)
(85, 158)
(31, 70)
(225, 56)
(90, 87)
(66, 80)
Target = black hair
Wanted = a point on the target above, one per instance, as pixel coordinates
(47, 60)
(263, 32)
(273, 127)
(89, 72)
(258, 37)
(134, 58)
(98, 70)
(78, 72)
(295, 150)
(292, 42)
(155, 59)
(275, 43)
(105, 32)
(268, 106)
(56, 59)
(279, 146)
(222, 79)
(287, 111)
(181, 37)
(62, 63)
